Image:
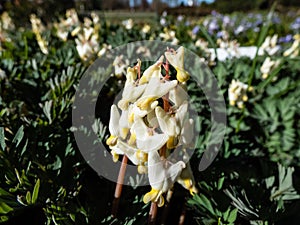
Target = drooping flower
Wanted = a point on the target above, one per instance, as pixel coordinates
(176, 59)
(162, 176)
(237, 93)
(268, 66)
(293, 51)
(38, 28)
(269, 46)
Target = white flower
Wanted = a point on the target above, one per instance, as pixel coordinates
(269, 46)
(268, 66)
(237, 93)
(87, 43)
(186, 178)
(155, 89)
(38, 28)
(128, 24)
(146, 28)
(120, 65)
(176, 59)
(146, 138)
(169, 35)
(162, 176)
(293, 51)
(152, 71)
(131, 91)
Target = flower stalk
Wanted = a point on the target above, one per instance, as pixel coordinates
(119, 186)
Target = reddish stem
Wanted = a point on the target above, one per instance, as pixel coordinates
(152, 213)
(119, 186)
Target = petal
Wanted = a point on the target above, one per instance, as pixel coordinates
(152, 71)
(166, 123)
(150, 196)
(114, 121)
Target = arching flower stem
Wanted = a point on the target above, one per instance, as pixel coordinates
(119, 186)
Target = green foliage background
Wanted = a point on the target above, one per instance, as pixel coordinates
(44, 179)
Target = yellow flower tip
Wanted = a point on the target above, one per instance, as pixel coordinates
(123, 104)
(115, 156)
(132, 139)
(131, 74)
(146, 104)
(131, 118)
(142, 169)
(265, 76)
(112, 140)
(182, 75)
(172, 142)
(232, 103)
(124, 132)
(245, 98)
(240, 105)
(193, 190)
(141, 156)
(150, 196)
(250, 88)
(154, 196)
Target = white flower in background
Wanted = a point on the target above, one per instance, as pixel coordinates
(6, 22)
(293, 51)
(120, 65)
(128, 24)
(69, 25)
(146, 28)
(269, 46)
(38, 28)
(144, 51)
(147, 133)
(268, 66)
(169, 35)
(231, 47)
(104, 49)
(87, 43)
(237, 93)
(2, 75)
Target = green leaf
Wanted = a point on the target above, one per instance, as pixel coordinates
(19, 136)
(4, 208)
(28, 197)
(35, 192)
(2, 139)
(232, 216)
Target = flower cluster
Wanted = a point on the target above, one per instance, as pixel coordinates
(237, 93)
(153, 123)
(38, 28)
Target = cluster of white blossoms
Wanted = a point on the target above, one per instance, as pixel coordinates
(237, 93)
(38, 28)
(151, 121)
(268, 66)
(269, 46)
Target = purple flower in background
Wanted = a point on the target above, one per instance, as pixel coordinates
(179, 18)
(214, 13)
(220, 34)
(195, 30)
(287, 38)
(296, 24)
(226, 21)
(239, 29)
(213, 26)
(276, 20)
